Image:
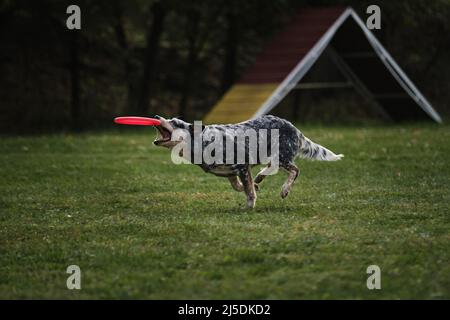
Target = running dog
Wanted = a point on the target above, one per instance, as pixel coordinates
(291, 143)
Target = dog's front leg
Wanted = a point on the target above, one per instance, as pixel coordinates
(249, 187)
(236, 184)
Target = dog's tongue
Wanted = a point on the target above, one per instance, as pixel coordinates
(138, 121)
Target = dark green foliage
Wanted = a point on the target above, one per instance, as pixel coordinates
(177, 60)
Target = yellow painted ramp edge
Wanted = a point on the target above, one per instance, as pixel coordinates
(240, 103)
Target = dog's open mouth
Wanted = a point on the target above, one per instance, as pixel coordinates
(164, 135)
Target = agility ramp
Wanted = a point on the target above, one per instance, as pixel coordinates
(359, 56)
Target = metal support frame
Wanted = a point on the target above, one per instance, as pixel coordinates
(358, 84)
(294, 77)
(323, 85)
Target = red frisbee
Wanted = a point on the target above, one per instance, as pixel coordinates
(137, 121)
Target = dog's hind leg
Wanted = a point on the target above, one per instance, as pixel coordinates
(249, 187)
(293, 172)
(236, 184)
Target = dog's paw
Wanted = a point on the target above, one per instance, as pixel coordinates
(251, 203)
(284, 193)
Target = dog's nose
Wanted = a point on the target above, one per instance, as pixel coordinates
(157, 117)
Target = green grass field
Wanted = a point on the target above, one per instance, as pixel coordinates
(140, 227)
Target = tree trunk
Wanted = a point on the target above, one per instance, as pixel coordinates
(186, 91)
(124, 45)
(231, 48)
(7, 14)
(197, 37)
(75, 82)
(193, 51)
(155, 29)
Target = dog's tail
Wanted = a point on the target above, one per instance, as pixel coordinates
(314, 151)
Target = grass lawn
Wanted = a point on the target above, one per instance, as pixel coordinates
(140, 227)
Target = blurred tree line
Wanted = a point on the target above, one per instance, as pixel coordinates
(173, 57)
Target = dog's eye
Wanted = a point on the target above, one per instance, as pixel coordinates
(180, 124)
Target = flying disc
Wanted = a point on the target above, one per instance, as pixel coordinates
(137, 121)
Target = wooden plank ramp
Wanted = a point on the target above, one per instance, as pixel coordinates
(240, 103)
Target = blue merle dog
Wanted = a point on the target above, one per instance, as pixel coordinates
(291, 144)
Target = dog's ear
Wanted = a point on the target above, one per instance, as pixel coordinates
(191, 128)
